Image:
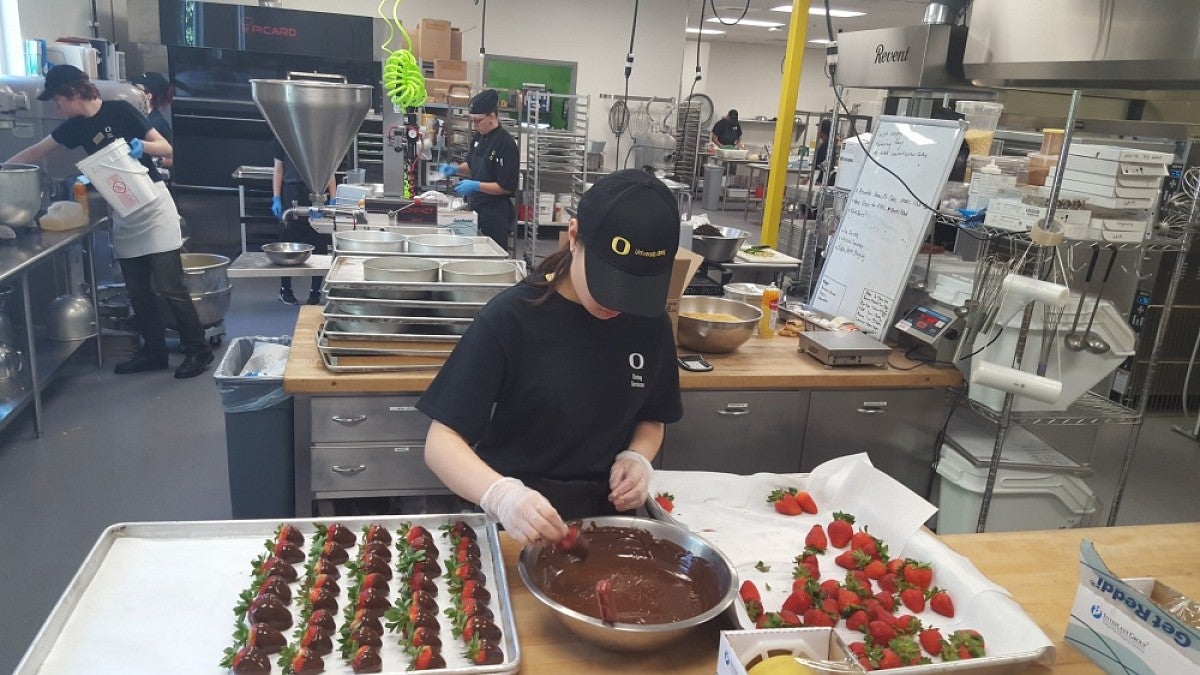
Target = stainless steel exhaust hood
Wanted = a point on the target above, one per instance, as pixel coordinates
(907, 58)
(1087, 44)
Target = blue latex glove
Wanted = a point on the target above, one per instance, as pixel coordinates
(467, 187)
(277, 206)
(447, 170)
(137, 148)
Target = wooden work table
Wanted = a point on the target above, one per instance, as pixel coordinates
(1039, 569)
(758, 364)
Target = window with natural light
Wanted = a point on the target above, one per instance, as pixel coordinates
(12, 60)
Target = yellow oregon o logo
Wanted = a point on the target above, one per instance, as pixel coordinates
(621, 246)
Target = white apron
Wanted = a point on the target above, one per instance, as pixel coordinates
(154, 228)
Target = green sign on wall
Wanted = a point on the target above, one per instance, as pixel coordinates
(510, 72)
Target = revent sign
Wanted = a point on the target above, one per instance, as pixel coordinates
(882, 55)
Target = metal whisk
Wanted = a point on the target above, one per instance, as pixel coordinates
(990, 273)
(1051, 316)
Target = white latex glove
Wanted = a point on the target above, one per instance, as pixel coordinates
(526, 515)
(629, 480)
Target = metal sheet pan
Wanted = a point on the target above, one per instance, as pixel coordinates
(419, 305)
(334, 333)
(483, 247)
(336, 364)
(346, 274)
(153, 598)
(324, 344)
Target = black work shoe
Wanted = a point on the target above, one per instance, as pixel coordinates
(314, 298)
(141, 361)
(287, 297)
(193, 364)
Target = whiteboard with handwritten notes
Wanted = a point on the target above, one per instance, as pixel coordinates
(868, 260)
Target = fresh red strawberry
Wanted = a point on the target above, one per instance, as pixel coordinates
(906, 649)
(896, 566)
(427, 658)
(861, 578)
(888, 659)
(846, 560)
(806, 502)
(918, 574)
(831, 607)
(881, 632)
(857, 620)
(847, 599)
(886, 600)
(913, 599)
(908, 624)
(754, 610)
(818, 618)
(875, 569)
(863, 541)
(767, 620)
(666, 501)
(931, 641)
(810, 564)
(799, 601)
(816, 539)
(857, 648)
(829, 587)
(840, 529)
(749, 591)
(789, 618)
(970, 640)
(787, 506)
(888, 583)
(878, 613)
(940, 602)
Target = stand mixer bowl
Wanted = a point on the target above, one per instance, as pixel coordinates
(20, 194)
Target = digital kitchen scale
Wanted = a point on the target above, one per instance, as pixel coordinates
(844, 348)
(932, 325)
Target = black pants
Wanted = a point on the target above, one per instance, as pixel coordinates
(299, 230)
(157, 274)
(496, 220)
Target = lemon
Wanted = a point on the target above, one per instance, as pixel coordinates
(784, 664)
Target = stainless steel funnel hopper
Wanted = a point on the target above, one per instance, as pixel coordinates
(315, 122)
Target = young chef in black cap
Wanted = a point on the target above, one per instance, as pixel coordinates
(147, 242)
(554, 402)
(492, 166)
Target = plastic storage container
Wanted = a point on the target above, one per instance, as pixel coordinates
(983, 118)
(1023, 499)
(990, 176)
(259, 437)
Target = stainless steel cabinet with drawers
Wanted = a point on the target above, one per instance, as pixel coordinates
(897, 428)
(360, 446)
(739, 432)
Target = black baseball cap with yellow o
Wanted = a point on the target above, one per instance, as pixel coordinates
(58, 77)
(629, 224)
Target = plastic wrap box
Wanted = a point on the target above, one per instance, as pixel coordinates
(1118, 625)
(740, 649)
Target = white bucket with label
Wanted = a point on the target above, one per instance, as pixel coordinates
(123, 182)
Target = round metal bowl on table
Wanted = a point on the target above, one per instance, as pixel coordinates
(636, 636)
(397, 269)
(710, 336)
(20, 194)
(287, 253)
(719, 248)
(369, 241)
(440, 245)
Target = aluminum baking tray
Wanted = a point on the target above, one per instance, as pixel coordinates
(336, 333)
(346, 274)
(397, 324)
(417, 306)
(483, 247)
(338, 364)
(153, 598)
(333, 347)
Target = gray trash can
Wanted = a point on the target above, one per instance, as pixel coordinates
(713, 173)
(259, 438)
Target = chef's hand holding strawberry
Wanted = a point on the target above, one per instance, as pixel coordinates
(629, 480)
(527, 516)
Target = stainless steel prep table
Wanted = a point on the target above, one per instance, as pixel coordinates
(257, 265)
(30, 249)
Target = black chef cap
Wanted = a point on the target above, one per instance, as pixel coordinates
(733, 115)
(485, 102)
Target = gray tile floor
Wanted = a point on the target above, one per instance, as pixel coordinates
(149, 447)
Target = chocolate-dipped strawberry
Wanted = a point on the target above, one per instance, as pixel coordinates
(264, 636)
(484, 653)
(325, 619)
(269, 565)
(327, 582)
(372, 602)
(460, 530)
(376, 532)
(290, 534)
(418, 581)
(367, 660)
(327, 567)
(466, 548)
(376, 582)
(269, 610)
(477, 626)
(285, 551)
(277, 586)
(426, 658)
(246, 660)
(321, 598)
(316, 640)
(339, 533)
(424, 636)
(301, 661)
(373, 564)
(472, 607)
(375, 548)
(364, 636)
(334, 552)
(474, 589)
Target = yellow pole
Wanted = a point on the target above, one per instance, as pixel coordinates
(793, 60)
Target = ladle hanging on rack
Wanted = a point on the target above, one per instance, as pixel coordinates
(1077, 342)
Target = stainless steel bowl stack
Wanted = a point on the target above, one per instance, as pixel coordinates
(715, 337)
(631, 636)
(287, 253)
(719, 248)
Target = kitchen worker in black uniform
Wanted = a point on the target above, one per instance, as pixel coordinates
(727, 130)
(491, 170)
(555, 401)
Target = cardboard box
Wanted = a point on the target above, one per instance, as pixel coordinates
(448, 69)
(686, 264)
(1118, 625)
(741, 650)
(1118, 154)
(440, 90)
(456, 44)
(431, 40)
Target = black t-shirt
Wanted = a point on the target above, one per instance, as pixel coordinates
(568, 388)
(163, 125)
(115, 119)
(290, 173)
(727, 131)
(493, 158)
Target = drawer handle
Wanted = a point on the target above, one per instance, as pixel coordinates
(406, 449)
(348, 470)
(349, 421)
(735, 409)
(402, 408)
(872, 411)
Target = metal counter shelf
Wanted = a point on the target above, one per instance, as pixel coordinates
(1090, 409)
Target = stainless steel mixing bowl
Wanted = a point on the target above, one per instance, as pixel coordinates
(719, 248)
(715, 337)
(287, 253)
(631, 636)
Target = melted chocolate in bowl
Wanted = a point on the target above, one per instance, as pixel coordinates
(654, 581)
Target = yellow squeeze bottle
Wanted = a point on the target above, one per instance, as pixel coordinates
(770, 310)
